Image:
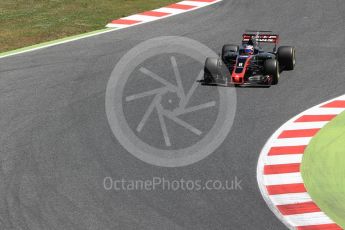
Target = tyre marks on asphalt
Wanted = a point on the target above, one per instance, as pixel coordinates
(279, 176)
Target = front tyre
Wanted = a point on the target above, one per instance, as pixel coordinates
(271, 67)
(212, 70)
(287, 57)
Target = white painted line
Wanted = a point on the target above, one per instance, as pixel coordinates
(280, 179)
(291, 198)
(120, 26)
(283, 159)
(194, 3)
(58, 42)
(306, 219)
(290, 141)
(142, 18)
(306, 125)
(323, 111)
(170, 10)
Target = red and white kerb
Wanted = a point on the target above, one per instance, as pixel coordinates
(167, 11)
(279, 174)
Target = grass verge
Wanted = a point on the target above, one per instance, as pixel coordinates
(323, 169)
(29, 22)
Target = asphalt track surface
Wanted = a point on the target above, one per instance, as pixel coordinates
(56, 144)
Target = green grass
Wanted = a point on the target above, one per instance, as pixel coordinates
(28, 22)
(323, 169)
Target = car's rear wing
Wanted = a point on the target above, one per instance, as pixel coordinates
(256, 37)
(261, 37)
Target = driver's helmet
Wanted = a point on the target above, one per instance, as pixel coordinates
(248, 49)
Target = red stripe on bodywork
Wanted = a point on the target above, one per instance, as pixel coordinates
(241, 75)
(282, 150)
(299, 208)
(298, 133)
(155, 13)
(181, 6)
(281, 168)
(335, 104)
(285, 188)
(320, 227)
(125, 22)
(316, 118)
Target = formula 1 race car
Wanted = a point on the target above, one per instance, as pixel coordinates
(249, 64)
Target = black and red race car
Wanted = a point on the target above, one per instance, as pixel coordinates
(249, 64)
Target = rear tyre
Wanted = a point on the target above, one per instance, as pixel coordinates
(287, 57)
(212, 70)
(228, 49)
(271, 67)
